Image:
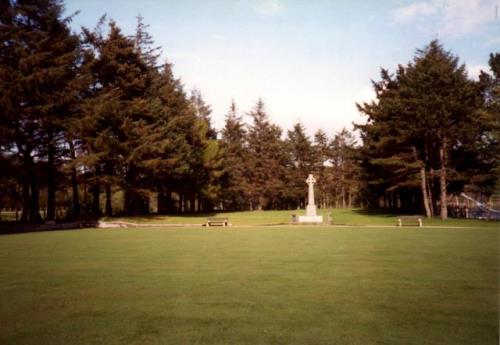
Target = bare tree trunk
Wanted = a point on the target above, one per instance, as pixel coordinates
(160, 199)
(192, 203)
(25, 213)
(74, 182)
(181, 203)
(343, 197)
(185, 207)
(442, 180)
(96, 192)
(51, 178)
(109, 208)
(429, 191)
(423, 184)
(425, 194)
(35, 206)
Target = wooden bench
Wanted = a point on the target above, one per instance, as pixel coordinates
(410, 221)
(216, 222)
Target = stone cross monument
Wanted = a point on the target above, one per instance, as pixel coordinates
(311, 216)
(311, 207)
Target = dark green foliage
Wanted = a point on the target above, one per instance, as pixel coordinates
(302, 161)
(266, 159)
(38, 58)
(96, 125)
(234, 180)
(425, 118)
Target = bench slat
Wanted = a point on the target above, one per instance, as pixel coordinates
(216, 221)
(410, 220)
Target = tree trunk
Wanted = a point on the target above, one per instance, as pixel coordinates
(109, 208)
(442, 180)
(35, 206)
(425, 194)
(430, 193)
(192, 203)
(51, 177)
(423, 184)
(74, 182)
(25, 213)
(96, 192)
(181, 202)
(160, 199)
(185, 207)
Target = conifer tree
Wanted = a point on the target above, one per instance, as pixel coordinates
(422, 115)
(265, 159)
(323, 154)
(235, 154)
(38, 57)
(303, 162)
(441, 100)
(115, 118)
(345, 167)
(203, 111)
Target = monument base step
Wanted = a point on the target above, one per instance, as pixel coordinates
(310, 219)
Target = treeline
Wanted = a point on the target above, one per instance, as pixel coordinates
(93, 124)
(431, 132)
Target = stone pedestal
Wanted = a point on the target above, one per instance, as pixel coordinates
(311, 219)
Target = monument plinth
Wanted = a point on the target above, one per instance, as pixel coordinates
(311, 213)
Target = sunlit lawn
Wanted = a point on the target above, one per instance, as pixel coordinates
(256, 285)
(356, 217)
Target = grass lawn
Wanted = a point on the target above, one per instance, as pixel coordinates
(357, 217)
(258, 285)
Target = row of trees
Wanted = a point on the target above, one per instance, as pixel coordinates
(430, 132)
(262, 170)
(95, 124)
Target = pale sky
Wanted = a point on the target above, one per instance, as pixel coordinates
(309, 60)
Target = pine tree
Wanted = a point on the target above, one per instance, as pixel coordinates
(441, 100)
(303, 162)
(37, 69)
(203, 111)
(345, 166)
(323, 154)
(115, 119)
(422, 115)
(265, 161)
(235, 153)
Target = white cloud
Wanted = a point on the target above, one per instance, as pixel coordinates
(493, 42)
(408, 13)
(474, 70)
(452, 18)
(268, 7)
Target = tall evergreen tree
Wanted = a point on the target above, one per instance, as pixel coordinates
(235, 154)
(303, 162)
(323, 154)
(442, 102)
(345, 167)
(203, 111)
(116, 117)
(38, 58)
(423, 114)
(265, 159)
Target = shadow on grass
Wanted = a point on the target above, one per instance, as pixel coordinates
(379, 212)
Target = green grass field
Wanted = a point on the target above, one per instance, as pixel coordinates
(356, 217)
(251, 285)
